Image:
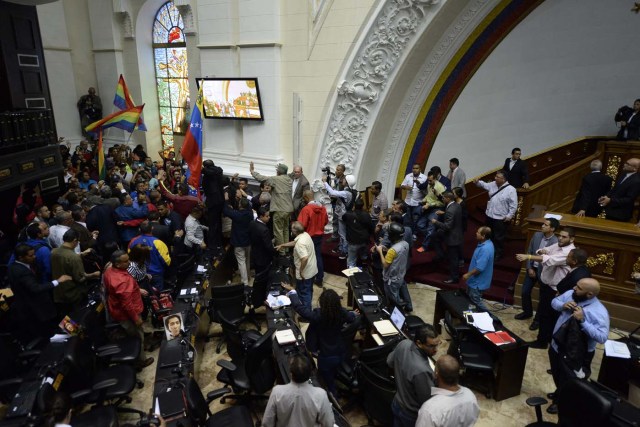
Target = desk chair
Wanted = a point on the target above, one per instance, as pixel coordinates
(377, 393)
(472, 356)
(252, 375)
(230, 300)
(376, 357)
(200, 414)
(238, 340)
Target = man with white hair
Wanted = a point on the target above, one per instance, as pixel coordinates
(594, 185)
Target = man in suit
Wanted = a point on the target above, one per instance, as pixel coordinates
(577, 260)
(618, 203)
(33, 313)
(451, 232)
(541, 239)
(262, 251)
(457, 176)
(629, 120)
(101, 218)
(517, 171)
(594, 185)
(299, 184)
(213, 188)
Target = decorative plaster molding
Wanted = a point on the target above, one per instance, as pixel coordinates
(427, 74)
(186, 10)
(395, 26)
(122, 9)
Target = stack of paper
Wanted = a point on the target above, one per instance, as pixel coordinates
(385, 328)
(285, 336)
(278, 301)
(350, 271)
(483, 321)
(617, 349)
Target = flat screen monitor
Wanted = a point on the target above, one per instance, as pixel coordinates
(234, 98)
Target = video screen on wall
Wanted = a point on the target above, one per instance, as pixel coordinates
(231, 98)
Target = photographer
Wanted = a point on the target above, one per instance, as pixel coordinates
(629, 121)
(90, 109)
(335, 184)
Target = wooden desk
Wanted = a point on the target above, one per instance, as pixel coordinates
(510, 359)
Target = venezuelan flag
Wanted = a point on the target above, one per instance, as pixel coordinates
(192, 147)
(124, 101)
(123, 119)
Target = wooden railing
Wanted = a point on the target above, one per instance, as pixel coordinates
(614, 253)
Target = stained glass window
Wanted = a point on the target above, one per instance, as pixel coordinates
(172, 73)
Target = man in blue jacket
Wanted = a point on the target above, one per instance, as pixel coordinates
(480, 272)
(37, 234)
(160, 258)
(126, 212)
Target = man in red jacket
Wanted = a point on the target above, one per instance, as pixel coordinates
(124, 299)
(314, 218)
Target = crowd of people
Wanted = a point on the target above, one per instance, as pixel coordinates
(126, 231)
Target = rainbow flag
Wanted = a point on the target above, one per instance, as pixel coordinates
(123, 119)
(124, 101)
(192, 147)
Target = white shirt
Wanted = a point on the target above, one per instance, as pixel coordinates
(304, 248)
(554, 264)
(449, 409)
(415, 195)
(55, 236)
(502, 205)
(294, 185)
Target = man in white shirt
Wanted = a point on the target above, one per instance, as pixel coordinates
(304, 259)
(298, 403)
(64, 221)
(554, 268)
(414, 194)
(501, 208)
(450, 404)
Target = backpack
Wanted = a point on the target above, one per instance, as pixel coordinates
(354, 195)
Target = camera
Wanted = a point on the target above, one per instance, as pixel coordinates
(327, 171)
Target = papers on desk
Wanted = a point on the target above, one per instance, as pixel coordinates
(188, 291)
(617, 349)
(483, 321)
(385, 328)
(554, 216)
(370, 298)
(377, 338)
(350, 271)
(200, 269)
(285, 336)
(59, 338)
(278, 301)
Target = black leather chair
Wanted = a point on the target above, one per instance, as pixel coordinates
(377, 393)
(252, 375)
(238, 340)
(473, 358)
(376, 357)
(595, 407)
(200, 413)
(230, 301)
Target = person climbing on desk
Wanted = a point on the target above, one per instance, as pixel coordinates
(324, 333)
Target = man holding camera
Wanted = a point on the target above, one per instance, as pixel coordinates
(90, 109)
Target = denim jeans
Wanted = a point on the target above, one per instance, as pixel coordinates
(305, 291)
(475, 295)
(342, 232)
(398, 294)
(414, 213)
(327, 368)
(527, 287)
(426, 227)
(354, 251)
(402, 418)
(317, 245)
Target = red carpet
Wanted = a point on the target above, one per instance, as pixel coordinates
(423, 270)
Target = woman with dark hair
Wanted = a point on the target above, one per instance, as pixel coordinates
(325, 331)
(57, 412)
(139, 256)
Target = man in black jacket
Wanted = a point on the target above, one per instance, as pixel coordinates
(517, 171)
(359, 231)
(262, 253)
(629, 120)
(450, 232)
(32, 313)
(213, 190)
(594, 185)
(100, 218)
(618, 203)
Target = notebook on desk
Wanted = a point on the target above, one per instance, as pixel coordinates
(285, 337)
(385, 328)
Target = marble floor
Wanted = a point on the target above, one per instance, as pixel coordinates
(509, 412)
